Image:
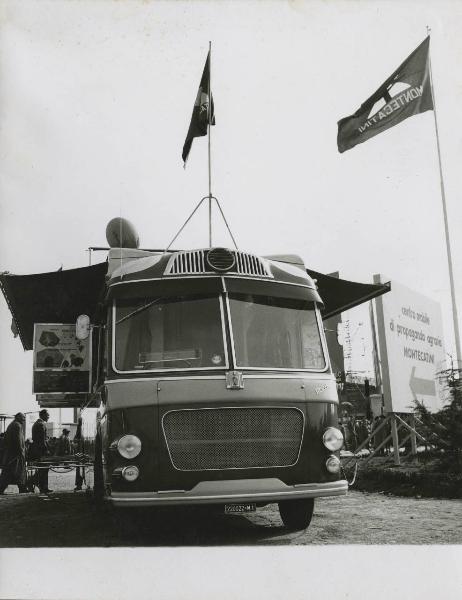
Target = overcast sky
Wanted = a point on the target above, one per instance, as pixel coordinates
(95, 102)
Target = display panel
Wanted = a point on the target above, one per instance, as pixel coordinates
(62, 363)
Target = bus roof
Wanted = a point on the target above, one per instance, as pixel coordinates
(61, 296)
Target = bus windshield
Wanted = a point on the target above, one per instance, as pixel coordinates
(169, 333)
(275, 333)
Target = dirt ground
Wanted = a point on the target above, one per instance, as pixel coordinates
(68, 519)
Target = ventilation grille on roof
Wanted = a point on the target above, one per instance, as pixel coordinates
(248, 264)
(193, 262)
(221, 259)
(185, 263)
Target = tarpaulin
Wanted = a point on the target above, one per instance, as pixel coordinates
(340, 294)
(56, 297)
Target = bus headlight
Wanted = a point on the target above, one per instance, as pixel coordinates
(332, 439)
(129, 446)
(130, 473)
(333, 464)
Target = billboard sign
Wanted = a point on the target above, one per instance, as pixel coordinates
(410, 331)
(62, 363)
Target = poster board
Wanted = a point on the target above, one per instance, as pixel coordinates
(411, 343)
(62, 363)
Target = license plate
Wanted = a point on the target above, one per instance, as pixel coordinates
(240, 508)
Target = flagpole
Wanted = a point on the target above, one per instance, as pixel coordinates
(210, 159)
(446, 225)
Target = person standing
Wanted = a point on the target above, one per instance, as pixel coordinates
(63, 445)
(39, 448)
(14, 456)
(2, 436)
(363, 430)
(78, 450)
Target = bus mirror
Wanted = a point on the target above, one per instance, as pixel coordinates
(82, 327)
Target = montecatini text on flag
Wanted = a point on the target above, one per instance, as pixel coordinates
(405, 93)
(203, 112)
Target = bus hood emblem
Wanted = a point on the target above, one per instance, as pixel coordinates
(234, 380)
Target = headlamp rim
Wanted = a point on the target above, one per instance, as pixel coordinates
(130, 467)
(135, 439)
(339, 438)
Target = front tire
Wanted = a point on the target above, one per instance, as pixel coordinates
(296, 514)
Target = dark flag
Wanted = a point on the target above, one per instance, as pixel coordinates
(200, 116)
(391, 104)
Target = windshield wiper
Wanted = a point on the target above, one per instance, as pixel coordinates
(137, 311)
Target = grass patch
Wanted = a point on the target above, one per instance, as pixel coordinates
(422, 476)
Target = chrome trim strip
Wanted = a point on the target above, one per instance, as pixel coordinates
(311, 490)
(137, 371)
(308, 375)
(301, 371)
(243, 277)
(223, 332)
(304, 376)
(178, 378)
(207, 275)
(231, 331)
(322, 335)
(233, 407)
(130, 281)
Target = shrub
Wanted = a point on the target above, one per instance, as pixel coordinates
(444, 428)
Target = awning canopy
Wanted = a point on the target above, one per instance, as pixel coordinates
(340, 294)
(61, 296)
(57, 297)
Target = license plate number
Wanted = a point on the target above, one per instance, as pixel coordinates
(240, 508)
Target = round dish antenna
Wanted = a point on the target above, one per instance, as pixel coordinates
(120, 233)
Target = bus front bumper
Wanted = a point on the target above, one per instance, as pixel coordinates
(229, 492)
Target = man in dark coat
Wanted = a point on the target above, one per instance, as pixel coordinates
(63, 445)
(14, 455)
(39, 448)
(2, 435)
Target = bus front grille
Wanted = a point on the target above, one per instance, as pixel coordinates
(233, 438)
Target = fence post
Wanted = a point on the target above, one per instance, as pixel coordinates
(394, 435)
(413, 436)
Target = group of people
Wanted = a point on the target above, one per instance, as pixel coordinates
(58, 446)
(15, 452)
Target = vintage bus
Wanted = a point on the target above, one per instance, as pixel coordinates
(210, 369)
(216, 385)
